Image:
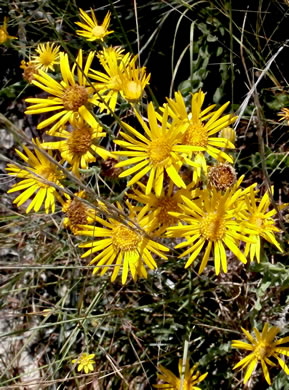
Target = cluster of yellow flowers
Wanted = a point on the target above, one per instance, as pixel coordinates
(182, 184)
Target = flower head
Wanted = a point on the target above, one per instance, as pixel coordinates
(201, 126)
(162, 206)
(4, 36)
(91, 30)
(122, 245)
(48, 56)
(85, 362)
(262, 348)
(69, 97)
(213, 224)
(36, 180)
(191, 377)
(77, 213)
(133, 82)
(109, 83)
(78, 145)
(156, 152)
(257, 216)
(29, 70)
(221, 177)
(284, 115)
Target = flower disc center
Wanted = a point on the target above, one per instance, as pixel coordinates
(196, 135)
(213, 227)
(159, 150)
(74, 97)
(165, 205)
(98, 32)
(80, 140)
(125, 239)
(77, 213)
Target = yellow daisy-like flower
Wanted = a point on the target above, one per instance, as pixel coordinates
(109, 83)
(262, 348)
(70, 98)
(133, 82)
(48, 56)
(77, 213)
(213, 224)
(79, 146)
(201, 127)
(122, 245)
(85, 362)
(191, 376)
(156, 152)
(259, 219)
(91, 30)
(284, 114)
(161, 206)
(4, 36)
(35, 180)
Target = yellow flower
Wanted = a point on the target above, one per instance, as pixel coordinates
(68, 97)
(200, 128)
(284, 115)
(47, 57)
(85, 362)
(35, 180)
(262, 348)
(156, 152)
(92, 31)
(122, 245)
(79, 145)
(133, 82)
(4, 36)
(77, 213)
(109, 84)
(191, 378)
(161, 206)
(29, 71)
(213, 224)
(258, 217)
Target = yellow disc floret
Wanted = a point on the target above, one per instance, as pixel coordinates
(125, 239)
(212, 227)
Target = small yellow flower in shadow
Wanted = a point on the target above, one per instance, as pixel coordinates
(48, 56)
(4, 36)
(156, 152)
(284, 114)
(262, 348)
(41, 171)
(69, 97)
(85, 362)
(77, 213)
(122, 246)
(91, 30)
(191, 376)
(79, 146)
